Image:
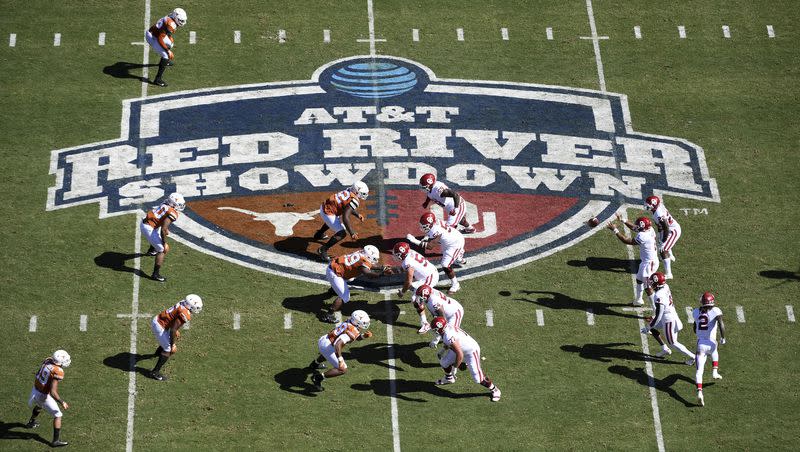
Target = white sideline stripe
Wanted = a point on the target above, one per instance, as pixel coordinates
(101, 38)
(689, 317)
(596, 43)
(137, 265)
(504, 33)
(790, 312)
(33, 323)
(237, 321)
(326, 36)
(192, 37)
(84, 322)
(387, 295)
(12, 39)
(57, 39)
(281, 36)
(287, 321)
(460, 34)
(489, 317)
(237, 37)
(726, 31)
(740, 314)
(540, 317)
(549, 32)
(415, 35)
(637, 31)
(770, 31)
(590, 317)
(682, 31)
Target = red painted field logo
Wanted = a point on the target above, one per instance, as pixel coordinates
(255, 162)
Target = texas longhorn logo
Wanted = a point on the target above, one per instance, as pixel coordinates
(254, 162)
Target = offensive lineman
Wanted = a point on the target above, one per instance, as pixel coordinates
(451, 202)
(330, 347)
(159, 36)
(666, 319)
(668, 227)
(645, 238)
(450, 239)
(706, 319)
(44, 394)
(418, 271)
(439, 305)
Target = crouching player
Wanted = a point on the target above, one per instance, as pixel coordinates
(439, 305)
(331, 345)
(165, 328)
(44, 394)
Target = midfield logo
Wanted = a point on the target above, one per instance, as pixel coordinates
(254, 162)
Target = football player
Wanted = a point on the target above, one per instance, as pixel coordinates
(666, 319)
(347, 267)
(451, 202)
(439, 305)
(155, 227)
(336, 212)
(44, 394)
(451, 241)
(165, 328)
(330, 347)
(418, 271)
(645, 239)
(706, 319)
(159, 36)
(668, 227)
(461, 347)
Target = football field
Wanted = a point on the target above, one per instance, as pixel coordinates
(708, 91)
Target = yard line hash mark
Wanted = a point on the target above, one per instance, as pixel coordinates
(415, 35)
(726, 31)
(56, 39)
(637, 32)
(287, 321)
(32, 324)
(770, 31)
(504, 34)
(237, 321)
(101, 38)
(237, 37)
(689, 316)
(540, 317)
(460, 34)
(590, 317)
(192, 37)
(549, 32)
(12, 40)
(84, 321)
(326, 36)
(281, 36)
(489, 317)
(681, 31)
(790, 312)
(740, 314)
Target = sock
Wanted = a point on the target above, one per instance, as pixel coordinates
(667, 266)
(156, 269)
(454, 280)
(335, 239)
(715, 364)
(162, 66)
(699, 386)
(422, 319)
(638, 291)
(488, 383)
(36, 411)
(161, 361)
(56, 434)
(321, 231)
(158, 351)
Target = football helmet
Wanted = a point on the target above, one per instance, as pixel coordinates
(360, 189)
(372, 253)
(426, 221)
(657, 279)
(707, 299)
(360, 319)
(179, 16)
(652, 203)
(176, 200)
(401, 250)
(423, 293)
(194, 303)
(642, 224)
(427, 180)
(438, 324)
(62, 358)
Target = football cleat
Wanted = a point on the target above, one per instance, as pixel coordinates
(59, 443)
(317, 380)
(668, 276)
(468, 230)
(664, 352)
(700, 400)
(159, 82)
(323, 254)
(158, 277)
(454, 288)
(33, 423)
(496, 395)
(315, 365)
(424, 328)
(689, 362)
(446, 380)
(638, 302)
(158, 376)
(151, 251)
(328, 317)
(715, 374)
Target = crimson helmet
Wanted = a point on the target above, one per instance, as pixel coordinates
(652, 203)
(426, 221)
(438, 324)
(657, 279)
(401, 250)
(427, 180)
(707, 299)
(424, 292)
(642, 224)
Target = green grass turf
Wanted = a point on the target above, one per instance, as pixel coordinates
(566, 385)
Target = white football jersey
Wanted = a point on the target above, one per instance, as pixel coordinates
(706, 321)
(436, 193)
(648, 249)
(467, 343)
(439, 301)
(662, 214)
(449, 236)
(422, 267)
(663, 297)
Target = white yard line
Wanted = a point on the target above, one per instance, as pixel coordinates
(12, 39)
(460, 34)
(489, 317)
(637, 32)
(596, 43)
(549, 32)
(137, 265)
(101, 38)
(57, 39)
(237, 36)
(387, 294)
(237, 321)
(33, 324)
(84, 322)
(504, 34)
(590, 317)
(371, 17)
(790, 312)
(540, 317)
(740, 314)
(287, 321)
(770, 31)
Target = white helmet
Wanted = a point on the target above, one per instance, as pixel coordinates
(193, 302)
(62, 358)
(360, 189)
(360, 319)
(179, 16)
(176, 200)
(372, 253)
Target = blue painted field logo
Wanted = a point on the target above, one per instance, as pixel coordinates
(254, 162)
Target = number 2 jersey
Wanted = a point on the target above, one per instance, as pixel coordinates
(706, 321)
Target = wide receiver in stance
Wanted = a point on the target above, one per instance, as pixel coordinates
(706, 319)
(155, 227)
(165, 328)
(44, 394)
(336, 212)
(330, 347)
(159, 36)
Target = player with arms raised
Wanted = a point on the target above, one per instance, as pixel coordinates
(439, 305)
(165, 328)
(645, 239)
(336, 212)
(451, 202)
(668, 227)
(155, 228)
(418, 271)
(347, 267)
(159, 36)
(44, 394)
(706, 319)
(666, 319)
(330, 346)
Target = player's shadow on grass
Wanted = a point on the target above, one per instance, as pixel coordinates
(664, 385)
(8, 431)
(785, 275)
(607, 264)
(378, 352)
(117, 261)
(295, 380)
(605, 353)
(122, 69)
(317, 304)
(560, 301)
(122, 361)
(402, 389)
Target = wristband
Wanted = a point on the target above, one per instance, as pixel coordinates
(341, 360)
(616, 231)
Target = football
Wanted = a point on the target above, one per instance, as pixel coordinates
(593, 222)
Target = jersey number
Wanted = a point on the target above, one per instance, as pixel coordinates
(702, 322)
(352, 258)
(43, 375)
